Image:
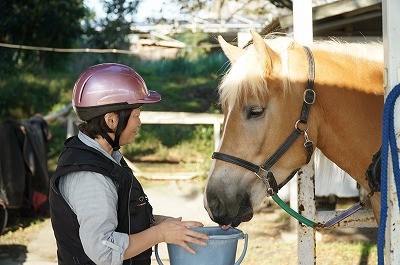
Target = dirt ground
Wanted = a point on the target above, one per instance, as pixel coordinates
(270, 239)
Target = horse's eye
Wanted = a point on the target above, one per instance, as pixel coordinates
(255, 112)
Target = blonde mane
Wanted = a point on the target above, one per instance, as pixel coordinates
(246, 76)
(372, 51)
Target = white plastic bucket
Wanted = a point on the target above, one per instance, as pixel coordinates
(220, 250)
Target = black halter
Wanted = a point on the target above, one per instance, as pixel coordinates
(263, 171)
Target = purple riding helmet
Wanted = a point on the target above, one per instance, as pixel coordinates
(110, 87)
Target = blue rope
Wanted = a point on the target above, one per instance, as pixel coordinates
(388, 142)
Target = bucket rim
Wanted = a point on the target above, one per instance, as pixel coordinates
(237, 232)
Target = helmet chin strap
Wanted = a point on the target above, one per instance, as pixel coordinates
(120, 127)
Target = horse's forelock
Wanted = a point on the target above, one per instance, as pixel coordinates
(246, 79)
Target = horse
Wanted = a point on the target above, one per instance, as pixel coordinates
(281, 101)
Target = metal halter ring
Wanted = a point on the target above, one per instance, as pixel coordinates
(296, 126)
(271, 188)
(259, 170)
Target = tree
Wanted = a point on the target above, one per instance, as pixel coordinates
(113, 30)
(51, 23)
(226, 9)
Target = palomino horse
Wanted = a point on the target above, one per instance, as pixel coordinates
(331, 95)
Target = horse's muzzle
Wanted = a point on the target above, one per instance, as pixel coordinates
(229, 213)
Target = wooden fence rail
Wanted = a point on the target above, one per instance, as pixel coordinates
(163, 117)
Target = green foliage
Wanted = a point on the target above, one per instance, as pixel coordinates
(197, 45)
(227, 9)
(59, 133)
(185, 85)
(24, 95)
(52, 23)
(112, 31)
(180, 143)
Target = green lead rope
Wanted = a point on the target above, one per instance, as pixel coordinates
(341, 216)
(292, 212)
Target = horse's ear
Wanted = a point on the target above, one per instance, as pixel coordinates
(267, 55)
(232, 52)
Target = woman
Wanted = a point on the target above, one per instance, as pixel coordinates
(99, 211)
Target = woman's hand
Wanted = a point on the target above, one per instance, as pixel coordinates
(175, 231)
(158, 219)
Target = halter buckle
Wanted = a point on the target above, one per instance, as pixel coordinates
(309, 96)
(269, 180)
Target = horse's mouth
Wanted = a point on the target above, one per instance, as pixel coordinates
(220, 213)
(245, 214)
(242, 218)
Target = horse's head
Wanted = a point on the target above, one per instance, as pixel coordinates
(260, 108)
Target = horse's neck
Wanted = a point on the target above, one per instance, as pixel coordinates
(349, 110)
(350, 72)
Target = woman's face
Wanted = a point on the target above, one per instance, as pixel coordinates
(132, 128)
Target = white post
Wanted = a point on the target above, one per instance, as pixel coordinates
(303, 34)
(293, 195)
(391, 41)
(306, 246)
(302, 21)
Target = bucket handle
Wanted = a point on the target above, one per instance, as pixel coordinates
(157, 256)
(246, 239)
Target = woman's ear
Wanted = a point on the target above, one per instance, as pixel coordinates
(111, 119)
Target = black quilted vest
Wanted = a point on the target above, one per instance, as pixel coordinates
(134, 210)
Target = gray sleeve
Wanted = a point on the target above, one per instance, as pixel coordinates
(93, 198)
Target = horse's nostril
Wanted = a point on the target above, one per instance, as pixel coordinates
(218, 209)
(215, 206)
(213, 203)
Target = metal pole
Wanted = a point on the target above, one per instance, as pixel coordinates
(391, 42)
(303, 34)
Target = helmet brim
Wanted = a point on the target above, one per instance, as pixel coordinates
(153, 97)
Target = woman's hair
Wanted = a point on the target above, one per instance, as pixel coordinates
(90, 127)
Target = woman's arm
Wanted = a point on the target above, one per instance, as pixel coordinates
(172, 230)
(93, 197)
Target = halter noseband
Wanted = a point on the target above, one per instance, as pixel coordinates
(263, 171)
